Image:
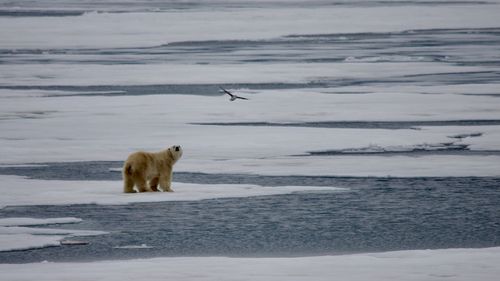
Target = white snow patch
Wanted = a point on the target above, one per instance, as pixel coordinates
(33, 221)
(356, 166)
(71, 130)
(449, 264)
(133, 247)
(53, 192)
(18, 242)
(14, 237)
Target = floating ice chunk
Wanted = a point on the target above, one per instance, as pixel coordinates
(33, 221)
(14, 237)
(74, 242)
(18, 242)
(142, 246)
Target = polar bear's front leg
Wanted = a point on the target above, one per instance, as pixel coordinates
(165, 182)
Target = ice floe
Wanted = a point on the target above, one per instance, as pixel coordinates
(70, 130)
(134, 247)
(52, 192)
(448, 264)
(34, 221)
(15, 237)
(356, 166)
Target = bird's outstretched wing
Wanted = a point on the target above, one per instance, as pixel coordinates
(233, 96)
(226, 91)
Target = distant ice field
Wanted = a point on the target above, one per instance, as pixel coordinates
(204, 22)
(432, 126)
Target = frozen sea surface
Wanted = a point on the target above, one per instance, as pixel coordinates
(394, 102)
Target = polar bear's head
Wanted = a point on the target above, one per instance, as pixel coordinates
(176, 151)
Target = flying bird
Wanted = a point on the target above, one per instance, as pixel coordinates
(232, 96)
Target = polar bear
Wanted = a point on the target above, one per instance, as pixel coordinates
(145, 170)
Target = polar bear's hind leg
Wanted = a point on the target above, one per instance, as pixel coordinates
(153, 184)
(128, 184)
(142, 184)
(128, 179)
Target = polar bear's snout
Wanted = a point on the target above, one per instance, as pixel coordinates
(176, 151)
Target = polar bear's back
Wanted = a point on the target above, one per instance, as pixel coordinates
(139, 161)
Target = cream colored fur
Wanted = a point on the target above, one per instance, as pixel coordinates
(146, 170)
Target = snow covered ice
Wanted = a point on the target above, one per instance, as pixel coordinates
(13, 236)
(370, 135)
(105, 192)
(454, 264)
